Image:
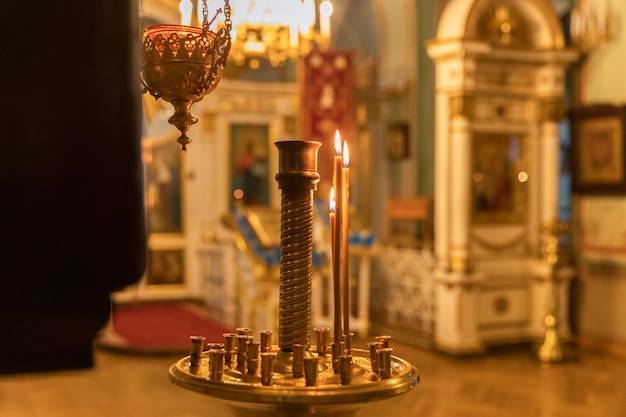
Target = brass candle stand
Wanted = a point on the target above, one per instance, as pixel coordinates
(293, 378)
(550, 350)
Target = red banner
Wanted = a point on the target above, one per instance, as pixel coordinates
(327, 103)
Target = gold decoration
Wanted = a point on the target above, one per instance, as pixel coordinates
(460, 263)
(552, 109)
(461, 106)
(590, 26)
(278, 30)
(502, 24)
(550, 350)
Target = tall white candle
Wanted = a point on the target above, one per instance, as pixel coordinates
(345, 255)
(338, 185)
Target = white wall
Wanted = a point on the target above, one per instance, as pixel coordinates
(603, 275)
(603, 70)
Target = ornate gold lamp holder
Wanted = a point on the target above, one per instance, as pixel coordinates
(181, 64)
(293, 378)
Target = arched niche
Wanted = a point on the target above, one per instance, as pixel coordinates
(531, 24)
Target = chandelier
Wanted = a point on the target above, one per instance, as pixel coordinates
(277, 30)
(590, 24)
(181, 64)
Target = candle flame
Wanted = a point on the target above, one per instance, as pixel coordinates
(332, 199)
(346, 155)
(337, 143)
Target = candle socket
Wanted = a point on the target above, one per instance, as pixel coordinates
(384, 362)
(345, 369)
(384, 340)
(337, 351)
(267, 367)
(252, 366)
(310, 371)
(195, 354)
(374, 346)
(252, 356)
(216, 364)
(298, 360)
(347, 343)
(266, 340)
(244, 331)
(322, 340)
(242, 342)
(214, 345)
(230, 345)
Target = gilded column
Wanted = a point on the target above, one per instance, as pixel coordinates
(460, 192)
(442, 181)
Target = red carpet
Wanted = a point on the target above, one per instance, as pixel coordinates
(159, 327)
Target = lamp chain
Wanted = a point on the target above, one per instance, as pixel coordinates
(229, 24)
(205, 16)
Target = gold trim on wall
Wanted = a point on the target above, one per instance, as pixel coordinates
(499, 246)
(552, 109)
(461, 106)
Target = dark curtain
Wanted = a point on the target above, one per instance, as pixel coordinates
(71, 196)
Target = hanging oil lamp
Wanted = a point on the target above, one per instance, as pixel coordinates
(181, 64)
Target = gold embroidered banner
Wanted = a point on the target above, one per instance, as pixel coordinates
(327, 104)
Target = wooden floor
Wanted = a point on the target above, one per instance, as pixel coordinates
(506, 383)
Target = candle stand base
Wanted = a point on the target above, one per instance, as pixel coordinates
(288, 396)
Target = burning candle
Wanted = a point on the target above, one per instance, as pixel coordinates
(338, 186)
(334, 247)
(337, 177)
(345, 178)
